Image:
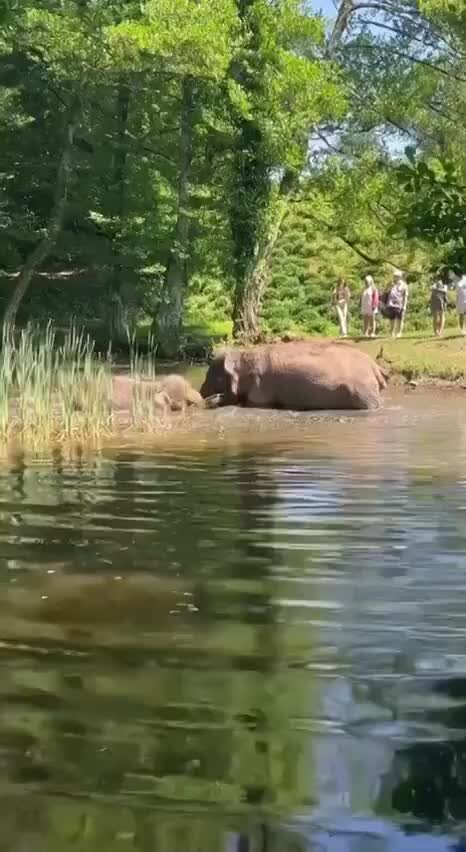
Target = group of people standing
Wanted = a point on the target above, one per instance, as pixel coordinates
(439, 300)
(393, 302)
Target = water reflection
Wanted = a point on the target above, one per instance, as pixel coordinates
(244, 648)
(427, 779)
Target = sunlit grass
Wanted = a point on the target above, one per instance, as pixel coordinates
(422, 357)
(53, 391)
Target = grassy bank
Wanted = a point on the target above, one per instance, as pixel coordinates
(417, 355)
(422, 357)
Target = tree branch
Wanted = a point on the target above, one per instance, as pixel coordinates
(353, 244)
(405, 130)
(55, 223)
(423, 41)
(415, 59)
(148, 148)
(327, 143)
(341, 24)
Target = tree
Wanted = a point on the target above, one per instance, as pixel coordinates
(55, 223)
(136, 71)
(60, 43)
(190, 47)
(289, 88)
(202, 129)
(170, 315)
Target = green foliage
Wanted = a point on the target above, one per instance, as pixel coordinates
(289, 90)
(278, 122)
(183, 37)
(316, 248)
(436, 207)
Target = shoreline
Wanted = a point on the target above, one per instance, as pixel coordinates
(426, 382)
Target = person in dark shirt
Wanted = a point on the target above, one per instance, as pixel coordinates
(439, 303)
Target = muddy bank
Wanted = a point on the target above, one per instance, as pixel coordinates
(430, 383)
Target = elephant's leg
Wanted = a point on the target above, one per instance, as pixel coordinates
(367, 399)
(381, 376)
(162, 402)
(261, 392)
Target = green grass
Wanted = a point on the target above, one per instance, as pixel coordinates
(213, 328)
(422, 356)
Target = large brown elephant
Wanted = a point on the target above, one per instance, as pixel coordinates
(305, 375)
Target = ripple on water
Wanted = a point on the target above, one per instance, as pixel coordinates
(256, 631)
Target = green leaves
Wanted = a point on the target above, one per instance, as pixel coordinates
(66, 43)
(436, 203)
(185, 38)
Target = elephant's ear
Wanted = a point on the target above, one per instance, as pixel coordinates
(231, 364)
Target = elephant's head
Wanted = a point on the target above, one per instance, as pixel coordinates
(227, 376)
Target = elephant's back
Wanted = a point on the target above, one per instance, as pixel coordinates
(323, 377)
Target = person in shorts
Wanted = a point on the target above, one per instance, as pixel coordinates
(397, 301)
(369, 306)
(461, 302)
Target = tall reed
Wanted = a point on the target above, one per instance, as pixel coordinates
(142, 365)
(53, 390)
(143, 370)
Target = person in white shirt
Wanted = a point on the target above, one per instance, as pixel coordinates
(369, 306)
(341, 299)
(461, 302)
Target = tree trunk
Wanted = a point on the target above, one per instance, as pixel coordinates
(43, 248)
(250, 292)
(118, 323)
(169, 320)
(345, 11)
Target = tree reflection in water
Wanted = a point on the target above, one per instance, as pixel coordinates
(152, 727)
(427, 780)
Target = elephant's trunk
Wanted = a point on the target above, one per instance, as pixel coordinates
(216, 400)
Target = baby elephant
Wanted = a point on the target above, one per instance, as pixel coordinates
(182, 395)
(179, 392)
(125, 388)
(163, 394)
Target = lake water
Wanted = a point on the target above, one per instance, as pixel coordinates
(247, 636)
